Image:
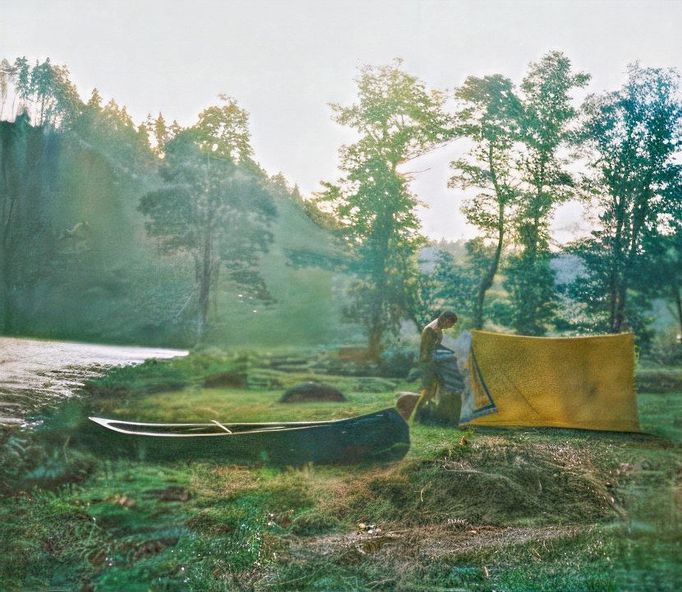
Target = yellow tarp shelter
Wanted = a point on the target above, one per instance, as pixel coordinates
(568, 382)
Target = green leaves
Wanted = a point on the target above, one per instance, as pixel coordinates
(223, 131)
(214, 205)
(44, 90)
(397, 120)
(633, 137)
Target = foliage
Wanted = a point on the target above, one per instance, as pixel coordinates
(544, 132)
(44, 91)
(212, 207)
(530, 282)
(75, 263)
(455, 281)
(660, 269)
(489, 115)
(397, 120)
(666, 348)
(634, 135)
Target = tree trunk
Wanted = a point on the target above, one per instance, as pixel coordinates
(619, 316)
(205, 278)
(677, 296)
(379, 276)
(9, 188)
(487, 281)
(374, 347)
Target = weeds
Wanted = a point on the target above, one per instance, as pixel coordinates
(476, 510)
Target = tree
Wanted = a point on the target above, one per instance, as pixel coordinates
(456, 281)
(662, 276)
(223, 130)
(213, 208)
(489, 114)
(634, 136)
(397, 120)
(545, 130)
(6, 77)
(44, 91)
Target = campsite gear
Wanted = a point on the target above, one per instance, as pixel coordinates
(567, 382)
(379, 436)
(447, 370)
(440, 402)
(406, 403)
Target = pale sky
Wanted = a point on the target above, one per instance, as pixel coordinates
(285, 60)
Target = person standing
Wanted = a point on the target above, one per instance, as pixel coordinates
(431, 338)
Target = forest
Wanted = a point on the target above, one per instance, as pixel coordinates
(152, 233)
(116, 231)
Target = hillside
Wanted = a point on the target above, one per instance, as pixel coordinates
(77, 263)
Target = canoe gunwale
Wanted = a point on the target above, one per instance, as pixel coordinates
(259, 428)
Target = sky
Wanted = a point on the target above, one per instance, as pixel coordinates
(284, 61)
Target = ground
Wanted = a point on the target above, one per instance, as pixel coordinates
(481, 510)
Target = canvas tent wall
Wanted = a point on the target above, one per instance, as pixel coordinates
(570, 382)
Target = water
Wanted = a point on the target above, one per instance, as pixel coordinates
(34, 372)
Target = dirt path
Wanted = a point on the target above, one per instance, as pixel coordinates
(36, 372)
(426, 542)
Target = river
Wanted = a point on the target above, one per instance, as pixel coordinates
(36, 372)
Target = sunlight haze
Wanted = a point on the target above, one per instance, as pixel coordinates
(285, 61)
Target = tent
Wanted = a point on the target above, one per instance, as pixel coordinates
(568, 382)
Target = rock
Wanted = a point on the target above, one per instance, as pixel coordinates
(406, 403)
(225, 379)
(312, 391)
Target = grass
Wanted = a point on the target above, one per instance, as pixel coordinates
(659, 379)
(483, 510)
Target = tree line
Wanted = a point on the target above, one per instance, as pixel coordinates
(529, 147)
(200, 194)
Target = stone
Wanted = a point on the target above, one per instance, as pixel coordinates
(312, 391)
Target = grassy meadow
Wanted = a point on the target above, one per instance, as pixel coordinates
(475, 509)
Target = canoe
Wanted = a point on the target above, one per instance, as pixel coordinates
(376, 437)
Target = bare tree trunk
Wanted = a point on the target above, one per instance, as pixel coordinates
(8, 190)
(619, 316)
(613, 301)
(374, 344)
(487, 281)
(376, 325)
(205, 277)
(677, 296)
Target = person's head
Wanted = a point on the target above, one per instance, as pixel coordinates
(447, 319)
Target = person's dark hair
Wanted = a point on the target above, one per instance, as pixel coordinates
(447, 315)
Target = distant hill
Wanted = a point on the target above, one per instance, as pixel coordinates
(77, 263)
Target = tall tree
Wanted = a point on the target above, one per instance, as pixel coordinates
(489, 114)
(545, 131)
(397, 119)
(212, 207)
(634, 135)
(660, 267)
(6, 77)
(223, 130)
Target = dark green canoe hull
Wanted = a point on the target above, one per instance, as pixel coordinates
(377, 437)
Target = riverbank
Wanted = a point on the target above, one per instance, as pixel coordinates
(506, 510)
(35, 373)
